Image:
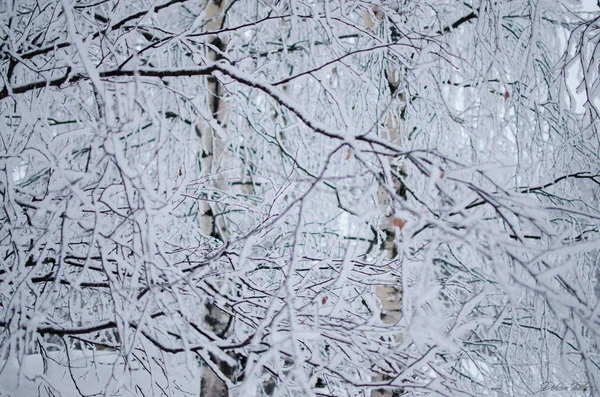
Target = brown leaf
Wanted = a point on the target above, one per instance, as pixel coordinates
(180, 173)
(399, 223)
(506, 95)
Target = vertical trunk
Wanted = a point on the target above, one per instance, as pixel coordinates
(211, 146)
(390, 295)
(211, 150)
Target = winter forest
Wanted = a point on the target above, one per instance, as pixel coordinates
(299, 198)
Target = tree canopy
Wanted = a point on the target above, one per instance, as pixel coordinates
(300, 198)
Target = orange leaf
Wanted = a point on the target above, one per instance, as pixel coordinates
(399, 223)
(349, 154)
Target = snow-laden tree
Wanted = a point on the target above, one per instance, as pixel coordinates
(299, 198)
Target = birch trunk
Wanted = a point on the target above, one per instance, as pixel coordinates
(215, 374)
(390, 294)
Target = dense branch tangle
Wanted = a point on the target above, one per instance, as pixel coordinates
(239, 189)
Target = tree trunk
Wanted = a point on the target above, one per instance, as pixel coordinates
(211, 150)
(390, 295)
